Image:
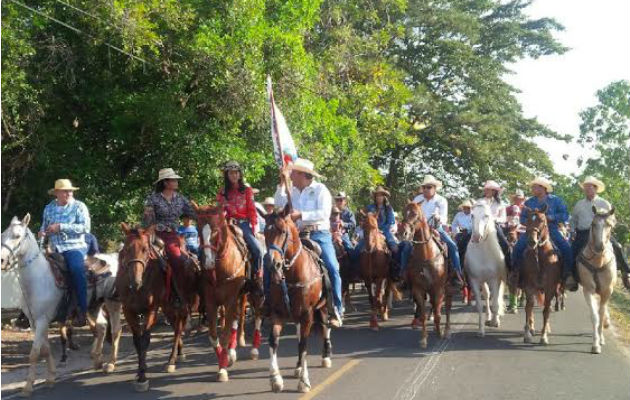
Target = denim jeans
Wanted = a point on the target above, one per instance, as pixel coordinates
(75, 260)
(406, 247)
(253, 245)
(558, 240)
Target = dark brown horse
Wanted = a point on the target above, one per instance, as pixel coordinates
(375, 261)
(295, 292)
(427, 272)
(223, 282)
(140, 285)
(541, 271)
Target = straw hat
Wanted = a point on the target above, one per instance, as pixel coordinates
(466, 203)
(490, 184)
(166, 173)
(595, 182)
(518, 194)
(430, 180)
(231, 166)
(62, 184)
(341, 195)
(380, 189)
(304, 165)
(269, 201)
(540, 181)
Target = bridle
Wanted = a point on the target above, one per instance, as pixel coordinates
(287, 264)
(13, 253)
(538, 244)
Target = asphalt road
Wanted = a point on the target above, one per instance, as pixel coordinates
(389, 364)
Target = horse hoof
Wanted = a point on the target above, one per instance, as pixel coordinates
(481, 333)
(170, 368)
(276, 384)
(181, 357)
(109, 368)
(544, 341)
(222, 376)
(385, 317)
(596, 349)
(326, 362)
(254, 354)
(423, 344)
(297, 372)
(304, 387)
(141, 386)
(231, 357)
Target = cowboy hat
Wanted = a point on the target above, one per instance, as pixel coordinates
(269, 201)
(167, 173)
(62, 184)
(341, 195)
(518, 194)
(595, 182)
(466, 203)
(231, 166)
(490, 184)
(304, 165)
(540, 181)
(429, 180)
(380, 189)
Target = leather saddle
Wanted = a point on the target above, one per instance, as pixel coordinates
(95, 270)
(305, 238)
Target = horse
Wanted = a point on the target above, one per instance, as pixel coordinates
(223, 284)
(512, 233)
(41, 298)
(347, 271)
(541, 271)
(375, 260)
(597, 270)
(426, 272)
(296, 293)
(485, 264)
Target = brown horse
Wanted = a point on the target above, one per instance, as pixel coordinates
(375, 262)
(427, 272)
(224, 277)
(140, 285)
(296, 293)
(541, 271)
(347, 271)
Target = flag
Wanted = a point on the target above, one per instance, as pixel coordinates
(284, 150)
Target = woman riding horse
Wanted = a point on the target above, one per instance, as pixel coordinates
(238, 202)
(491, 196)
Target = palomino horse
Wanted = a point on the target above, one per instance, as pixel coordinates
(485, 264)
(426, 272)
(223, 283)
(41, 299)
(541, 271)
(375, 262)
(296, 293)
(597, 268)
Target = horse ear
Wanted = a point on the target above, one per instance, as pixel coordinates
(124, 228)
(26, 219)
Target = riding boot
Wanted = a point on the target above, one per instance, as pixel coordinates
(80, 319)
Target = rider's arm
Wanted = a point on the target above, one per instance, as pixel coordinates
(280, 197)
(442, 206)
(321, 212)
(81, 223)
(561, 214)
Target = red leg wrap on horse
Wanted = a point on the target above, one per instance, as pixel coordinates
(257, 339)
(233, 335)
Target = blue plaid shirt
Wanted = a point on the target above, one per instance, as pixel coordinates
(74, 220)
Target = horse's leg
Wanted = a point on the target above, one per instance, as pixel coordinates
(436, 301)
(475, 286)
(274, 371)
(387, 305)
(529, 317)
(175, 320)
(71, 344)
(495, 298)
(241, 321)
(423, 320)
(449, 304)
(372, 299)
(50, 362)
(100, 328)
(63, 336)
(221, 353)
(113, 310)
(544, 336)
(603, 314)
(233, 339)
(141, 384)
(327, 348)
(304, 384)
(486, 297)
(257, 337)
(228, 338)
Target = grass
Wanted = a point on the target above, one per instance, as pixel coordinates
(620, 313)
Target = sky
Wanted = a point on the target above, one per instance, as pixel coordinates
(554, 89)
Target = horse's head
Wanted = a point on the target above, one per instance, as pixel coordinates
(136, 253)
(601, 228)
(481, 221)
(280, 230)
(536, 227)
(370, 222)
(411, 215)
(209, 219)
(13, 239)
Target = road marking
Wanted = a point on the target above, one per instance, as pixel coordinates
(331, 379)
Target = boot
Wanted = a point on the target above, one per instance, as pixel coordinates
(456, 282)
(80, 319)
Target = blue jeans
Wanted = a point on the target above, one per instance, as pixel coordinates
(558, 240)
(253, 245)
(355, 252)
(406, 247)
(324, 240)
(75, 262)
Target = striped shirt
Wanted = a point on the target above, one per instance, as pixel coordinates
(74, 222)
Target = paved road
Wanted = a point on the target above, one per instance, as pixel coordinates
(390, 365)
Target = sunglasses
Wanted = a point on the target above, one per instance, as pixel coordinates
(427, 186)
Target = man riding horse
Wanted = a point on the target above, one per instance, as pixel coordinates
(461, 227)
(556, 212)
(65, 223)
(312, 204)
(582, 218)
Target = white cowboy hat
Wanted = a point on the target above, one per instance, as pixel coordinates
(466, 203)
(341, 195)
(430, 180)
(380, 189)
(540, 181)
(62, 184)
(518, 193)
(304, 165)
(595, 182)
(269, 201)
(490, 184)
(166, 173)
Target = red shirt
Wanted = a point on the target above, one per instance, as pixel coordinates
(240, 205)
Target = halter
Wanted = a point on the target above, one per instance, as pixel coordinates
(13, 253)
(282, 251)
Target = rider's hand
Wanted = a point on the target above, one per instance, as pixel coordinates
(41, 234)
(53, 228)
(285, 173)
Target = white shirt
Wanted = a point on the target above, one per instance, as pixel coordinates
(582, 214)
(462, 221)
(496, 208)
(436, 206)
(314, 202)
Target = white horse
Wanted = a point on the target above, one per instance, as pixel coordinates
(598, 274)
(41, 298)
(485, 264)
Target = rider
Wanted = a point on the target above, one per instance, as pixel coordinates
(462, 227)
(238, 202)
(556, 214)
(516, 207)
(65, 222)
(163, 208)
(190, 234)
(434, 207)
(312, 204)
(491, 196)
(349, 223)
(582, 217)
